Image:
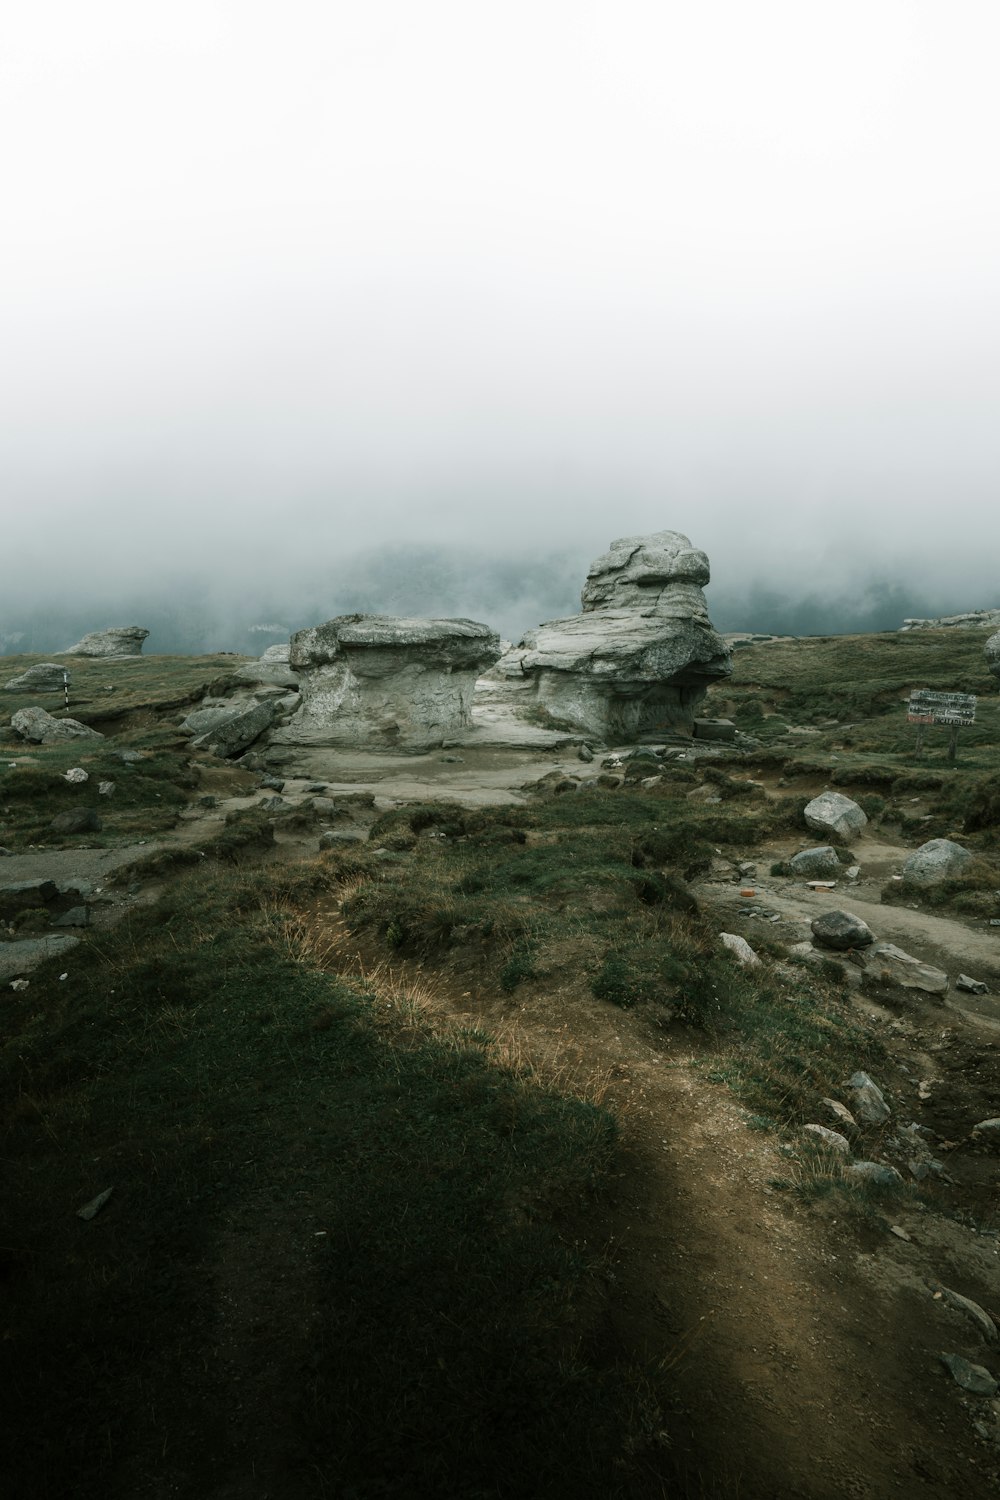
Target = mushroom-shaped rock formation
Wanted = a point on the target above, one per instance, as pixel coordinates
(117, 640)
(381, 681)
(638, 659)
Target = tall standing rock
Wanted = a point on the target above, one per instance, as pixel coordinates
(379, 680)
(637, 660)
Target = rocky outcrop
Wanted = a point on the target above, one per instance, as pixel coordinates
(40, 728)
(637, 660)
(45, 677)
(271, 669)
(117, 640)
(229, 731)
(974, 619)
(382, 681)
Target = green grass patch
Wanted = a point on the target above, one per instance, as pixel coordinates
(310, 1182)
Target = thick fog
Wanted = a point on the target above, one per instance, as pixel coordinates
(413, 308)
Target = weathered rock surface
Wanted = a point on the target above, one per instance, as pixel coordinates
(831, 1139)
(739, 948)
(973, 619)
(19, 895)
(40, 728)
(832, 812)
(974, 1378)
(272, 668)
(936, 861)
(45, 677)
(117, 640)
(968, 1309)
(237, 732)
(868, 1099)
(637, 660)
(992, 649)
(874, 1171)
(890, 962)
(77, 820)
(387, 682)
(816, 864)
(841, 930)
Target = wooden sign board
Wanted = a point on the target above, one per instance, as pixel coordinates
(941, 708)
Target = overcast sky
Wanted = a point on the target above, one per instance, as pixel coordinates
(285, 281)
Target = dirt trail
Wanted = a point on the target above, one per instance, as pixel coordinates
(801, 1354)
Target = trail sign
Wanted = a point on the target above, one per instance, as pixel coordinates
(941, 708)
(953, 709)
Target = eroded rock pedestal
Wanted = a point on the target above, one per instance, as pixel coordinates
(382, 681)
(639, 658)
(117, 640)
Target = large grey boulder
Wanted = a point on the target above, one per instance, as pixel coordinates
(117, 640)
(816, 864)
(936, 861)
(45, 677)
(268, 671)
(235, 732)
(40, 728)
(638, 659)
(841, 930)
(381, 680)
(832, 812)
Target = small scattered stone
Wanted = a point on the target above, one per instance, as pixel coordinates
(842, 1113)
(95, 1205)
(869, 1101)
(973, 1378)
(876, 1172)
(739, 948)
(334, 839)
(76, 776)
(585, 753)
(988, 1127)
(830, 1138)
(971, 986)
(900, 1233)
(19, 984)
(105, 788)
(967, 1307)
(272, 783)
(272, 804)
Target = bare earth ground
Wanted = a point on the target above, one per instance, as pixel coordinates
(800, 1348)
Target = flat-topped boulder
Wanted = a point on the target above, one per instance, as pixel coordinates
(382, 680)
(637, 660)
(117, 640)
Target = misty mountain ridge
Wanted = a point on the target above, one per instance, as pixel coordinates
(512, 593)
